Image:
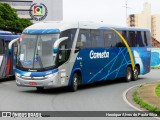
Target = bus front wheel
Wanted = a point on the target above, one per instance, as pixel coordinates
(129, 74)
(74, 84)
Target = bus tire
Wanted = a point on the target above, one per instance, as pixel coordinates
(135, 73)
(129, 74)
(40, 89)
(74, 84)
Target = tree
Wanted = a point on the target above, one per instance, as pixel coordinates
(10, 21)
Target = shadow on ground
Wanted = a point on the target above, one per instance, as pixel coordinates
(7, 79)
(63, 90)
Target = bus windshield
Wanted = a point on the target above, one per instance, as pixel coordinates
(36, 51)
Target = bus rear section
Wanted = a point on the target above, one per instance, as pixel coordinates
(102, 55)
(7, 60)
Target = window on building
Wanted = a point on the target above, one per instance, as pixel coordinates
(21, 12)
(20, 3)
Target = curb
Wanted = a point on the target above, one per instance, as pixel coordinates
(130, 104)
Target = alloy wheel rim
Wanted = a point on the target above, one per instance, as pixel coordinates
(129, 75)
(135, 73)
(75, 82)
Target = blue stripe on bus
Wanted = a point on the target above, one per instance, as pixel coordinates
(9, 37)
(41, 31)
(36, 74)
(5, 33)
(114, 66)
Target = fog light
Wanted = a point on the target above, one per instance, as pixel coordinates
(49, 76)
(50, 84)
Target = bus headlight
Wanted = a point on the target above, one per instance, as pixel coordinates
(49, 76)
(18, 75)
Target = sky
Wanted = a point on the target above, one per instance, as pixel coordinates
(111, 12)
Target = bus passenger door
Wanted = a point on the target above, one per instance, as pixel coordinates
(1, 57)
(9, 60)
(63, 66)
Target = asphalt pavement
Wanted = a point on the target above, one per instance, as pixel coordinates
(103, 96)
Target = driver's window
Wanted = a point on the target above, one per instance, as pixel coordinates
(83, 40)
(62, 54)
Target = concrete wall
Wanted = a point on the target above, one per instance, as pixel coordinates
(155, 60)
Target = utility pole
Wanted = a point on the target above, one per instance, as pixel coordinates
(126, 6)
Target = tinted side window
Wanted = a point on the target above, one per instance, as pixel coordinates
(132, 38)
(139, 41)
(119, 40)
(70, 34)
(125, 36)
(83, 40)
(145, 39)
(148, 37)
(1, 47)
(109, 39)
(112, 39)
(97, 39)
(65, 46)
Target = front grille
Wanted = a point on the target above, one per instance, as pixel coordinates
(32, 78)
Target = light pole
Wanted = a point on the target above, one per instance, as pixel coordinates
(126, 6)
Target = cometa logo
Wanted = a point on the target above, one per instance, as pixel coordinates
(97, 55)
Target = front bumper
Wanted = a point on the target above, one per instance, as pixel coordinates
(44, 82)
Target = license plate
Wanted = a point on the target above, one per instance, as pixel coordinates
(32, 83)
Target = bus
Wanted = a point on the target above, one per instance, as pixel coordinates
(7, 64)
(56, 54)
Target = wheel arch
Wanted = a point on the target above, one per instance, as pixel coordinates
(139, 68)
(79, 72)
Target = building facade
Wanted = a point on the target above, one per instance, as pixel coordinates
(146, 20)
(143, 19)
(156, 27)
(21, 6)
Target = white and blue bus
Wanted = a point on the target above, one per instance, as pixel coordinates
(7, 64)
(55, 54)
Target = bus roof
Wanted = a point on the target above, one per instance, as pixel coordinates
(9, 37)
(58, 26)
(5, 32)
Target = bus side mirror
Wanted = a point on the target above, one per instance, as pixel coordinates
(10, 45)
(15, 50)
(57, 43)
